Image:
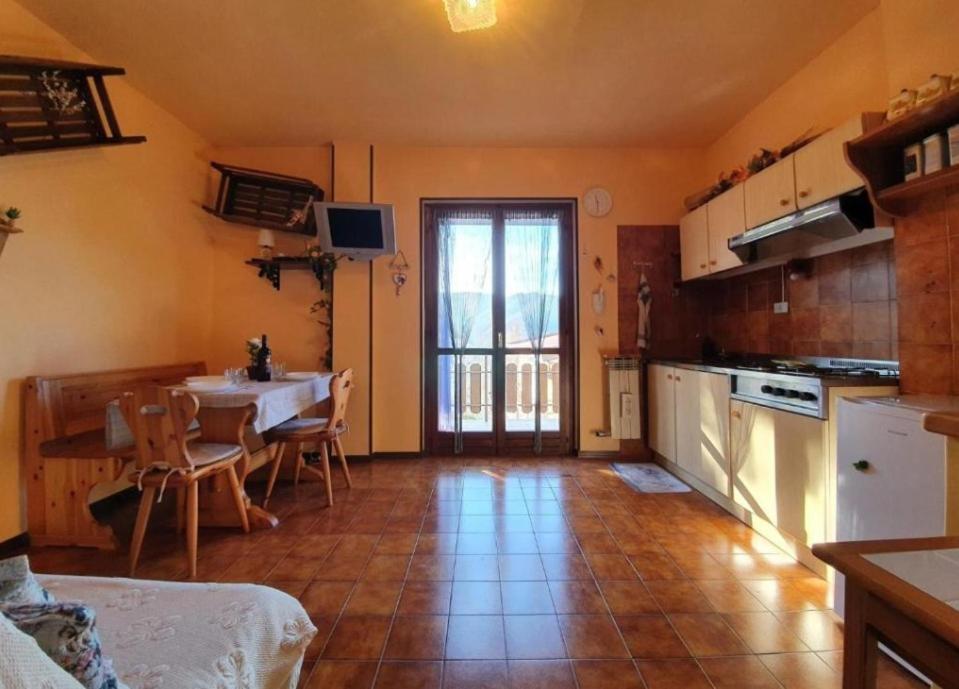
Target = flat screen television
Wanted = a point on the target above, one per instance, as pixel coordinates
(358, 230)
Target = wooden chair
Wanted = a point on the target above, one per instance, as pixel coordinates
(167, 459)
(320, 431)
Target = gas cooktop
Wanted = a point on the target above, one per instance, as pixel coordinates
(798, 385)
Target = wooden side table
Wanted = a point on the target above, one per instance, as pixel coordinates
(905, 594)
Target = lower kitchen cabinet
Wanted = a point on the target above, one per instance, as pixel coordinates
(779, 464)
(702, 426)
(689, 422)
(662, 410)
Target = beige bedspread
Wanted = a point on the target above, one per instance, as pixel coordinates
(171, 635)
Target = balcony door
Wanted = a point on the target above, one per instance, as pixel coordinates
(498, 333)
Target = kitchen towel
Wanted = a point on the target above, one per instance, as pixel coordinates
(644, 302)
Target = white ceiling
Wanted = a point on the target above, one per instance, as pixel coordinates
(552, 72)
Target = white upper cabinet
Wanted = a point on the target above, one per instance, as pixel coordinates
(726, 216)
(694, 244)
(821, 168)
(771, 194)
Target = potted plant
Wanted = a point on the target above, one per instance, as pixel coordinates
(8, 225)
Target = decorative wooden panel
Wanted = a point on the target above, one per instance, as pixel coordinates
(265, 199)
(46, 104)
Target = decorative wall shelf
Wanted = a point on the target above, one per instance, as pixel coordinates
(271, 268)
(878, 156)
(50, 105)
(265, 199)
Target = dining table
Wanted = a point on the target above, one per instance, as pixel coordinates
(229, 416)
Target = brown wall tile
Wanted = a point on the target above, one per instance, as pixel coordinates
(835, 322)
(871, 322)
(925, 319)
(922, 268)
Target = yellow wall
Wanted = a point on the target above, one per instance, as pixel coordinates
(846, 78)
(351, 299)
(245, 306)
(113, 268)
(895, 46)
(647, 188)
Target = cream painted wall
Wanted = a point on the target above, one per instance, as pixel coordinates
(647, 188)
(245, 306)
(846, 78)
(920, 39)
(113, 268)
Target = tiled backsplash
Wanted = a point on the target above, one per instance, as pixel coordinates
(845, 307)
(927, 278)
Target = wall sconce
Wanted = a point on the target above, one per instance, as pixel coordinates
(266, 241)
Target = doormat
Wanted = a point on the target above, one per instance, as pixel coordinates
(650, 478)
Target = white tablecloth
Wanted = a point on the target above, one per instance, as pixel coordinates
(275, 401)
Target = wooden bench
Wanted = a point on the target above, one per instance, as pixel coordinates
(65, 452)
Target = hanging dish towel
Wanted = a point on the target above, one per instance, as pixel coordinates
(644, 302)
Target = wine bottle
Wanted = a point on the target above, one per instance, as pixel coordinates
(264, 361)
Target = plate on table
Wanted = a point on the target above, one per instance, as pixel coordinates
(212, 384)
(190, 380)
(300, 375)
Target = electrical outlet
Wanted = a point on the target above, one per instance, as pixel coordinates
(781, 307)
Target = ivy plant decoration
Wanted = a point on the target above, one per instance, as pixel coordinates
(321, 310)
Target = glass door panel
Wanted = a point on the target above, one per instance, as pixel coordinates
(498, 324)
(520, 393)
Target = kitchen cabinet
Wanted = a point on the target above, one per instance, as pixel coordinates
(821, 168)
(662, 410)
(726, 217)
(702, 426)
(771, 193)
(694, 244)
(689, 422)
(779, 462)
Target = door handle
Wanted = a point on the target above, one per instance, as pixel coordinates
(861, 465)
(499, 340)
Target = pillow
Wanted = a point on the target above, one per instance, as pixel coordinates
(67, 633)
(25, 666)
(18, 586)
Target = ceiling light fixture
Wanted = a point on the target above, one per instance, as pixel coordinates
(469, 15)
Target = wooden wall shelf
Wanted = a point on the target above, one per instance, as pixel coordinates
(271, 268)
(265, 199)
(50, 105)
(877, 156)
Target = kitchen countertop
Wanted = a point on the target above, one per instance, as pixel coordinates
(732, 369)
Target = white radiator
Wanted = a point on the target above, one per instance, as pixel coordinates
(626, 418)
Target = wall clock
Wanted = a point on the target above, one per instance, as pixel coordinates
(598, 202)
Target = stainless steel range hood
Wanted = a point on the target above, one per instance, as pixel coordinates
(810, 231)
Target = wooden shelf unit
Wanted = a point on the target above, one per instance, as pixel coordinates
(52, 104)
(877, 156)
(265, 199)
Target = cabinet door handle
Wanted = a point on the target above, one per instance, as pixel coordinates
(861, 465)
(804, 193)
(783, 202)
(702, 265)
(712, 263)
(736, 414)
(678, 379)
(669, 376)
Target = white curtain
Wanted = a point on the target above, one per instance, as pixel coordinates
(465, 249)
(532, 239)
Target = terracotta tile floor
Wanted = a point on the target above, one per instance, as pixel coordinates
(516, 574)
